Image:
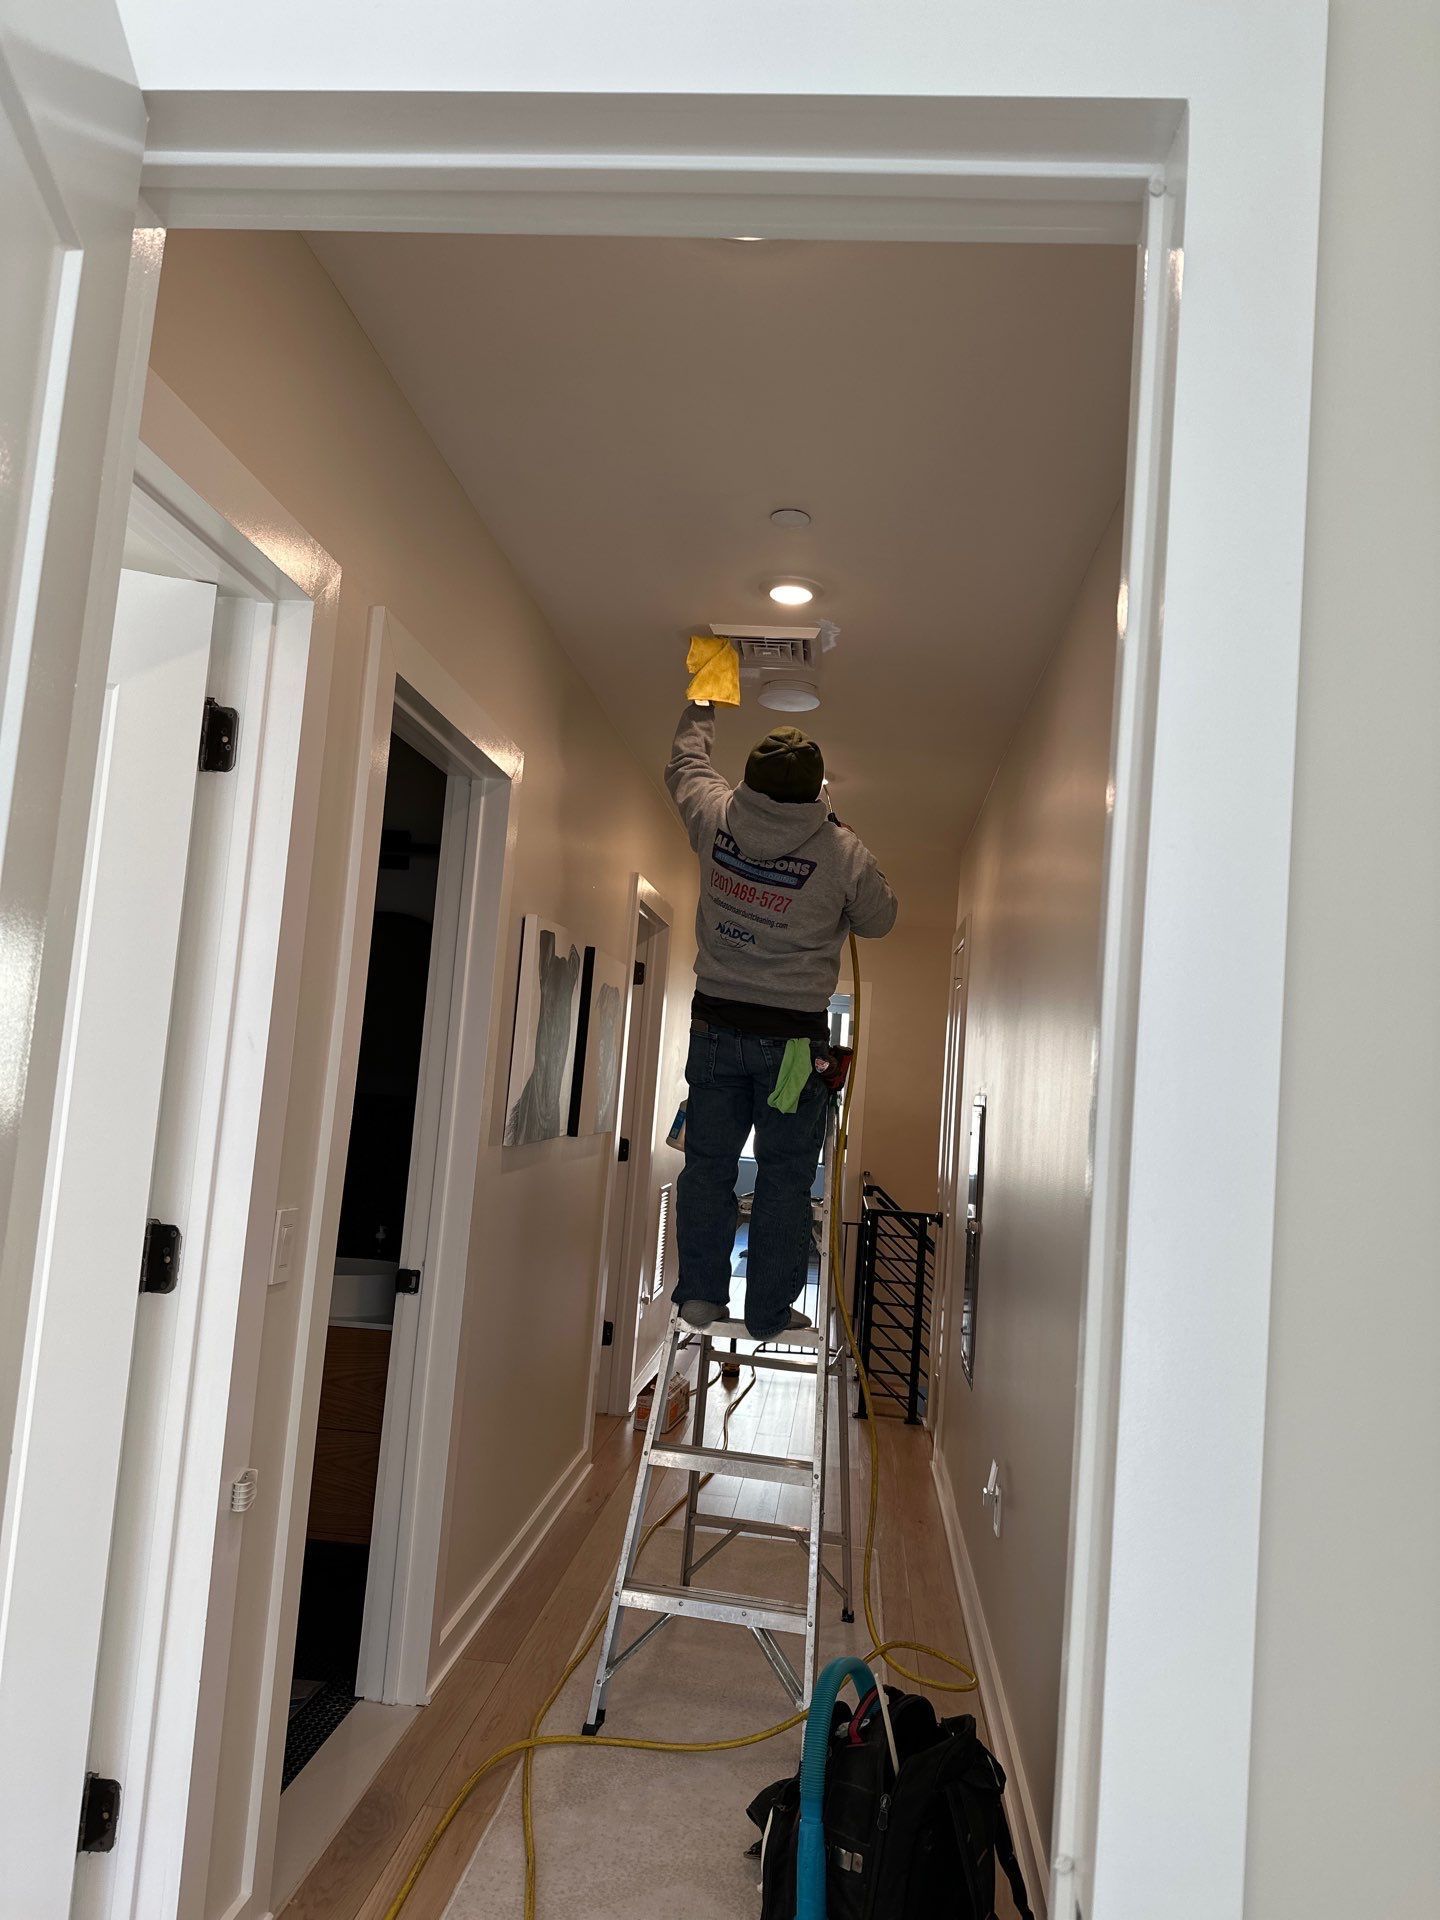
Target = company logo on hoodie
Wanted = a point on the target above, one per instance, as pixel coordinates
(789, 872)
(740, 936)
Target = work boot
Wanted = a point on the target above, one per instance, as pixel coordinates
(701, 1314)
(795, 1324)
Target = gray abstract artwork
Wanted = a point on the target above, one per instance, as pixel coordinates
(542, 1060)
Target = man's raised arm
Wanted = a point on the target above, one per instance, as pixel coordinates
(689, 775)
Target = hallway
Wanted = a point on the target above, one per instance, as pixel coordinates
(489, 1696)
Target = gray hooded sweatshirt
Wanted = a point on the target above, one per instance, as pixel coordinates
(781, 883)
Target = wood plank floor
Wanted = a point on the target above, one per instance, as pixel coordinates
(492, 1692)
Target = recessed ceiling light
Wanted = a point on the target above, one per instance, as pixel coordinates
(789, 517)
(744, 239)
(790, 593)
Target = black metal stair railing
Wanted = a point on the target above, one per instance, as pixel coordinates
(893, 1298)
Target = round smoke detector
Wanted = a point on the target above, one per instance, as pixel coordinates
(789, 517)
(790, 695)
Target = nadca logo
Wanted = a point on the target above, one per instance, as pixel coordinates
(741, 936)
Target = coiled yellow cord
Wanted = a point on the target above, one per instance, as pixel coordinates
(879, 1650)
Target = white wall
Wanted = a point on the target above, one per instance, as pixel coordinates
(1030, 887)
(1345, 1787)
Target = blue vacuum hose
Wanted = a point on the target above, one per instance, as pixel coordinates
(810, 1853)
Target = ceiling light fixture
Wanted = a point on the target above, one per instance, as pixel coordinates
(790, 696)
(789, 517)
(744, 239)
(790, 593)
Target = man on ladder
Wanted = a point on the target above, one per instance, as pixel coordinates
(782, 884)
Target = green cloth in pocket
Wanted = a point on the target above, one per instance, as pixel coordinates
(790, 1081)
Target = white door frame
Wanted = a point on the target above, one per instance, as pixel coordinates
(949, 1185)
(404, 686)
(1160, 1618)
(1188, 1075)
(619, 1363)
(407, 692)
(175, 1453)
(854, 1173)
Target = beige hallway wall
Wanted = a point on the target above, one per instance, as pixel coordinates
(1345, 1781)
(253, 337)
(905, 1013)
(1030, 887)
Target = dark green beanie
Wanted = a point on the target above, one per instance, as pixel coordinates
(787, 765)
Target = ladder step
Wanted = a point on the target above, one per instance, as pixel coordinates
(740, 1466)
(737, 1330)
(738, 1609)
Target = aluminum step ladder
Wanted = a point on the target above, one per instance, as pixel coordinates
(820, 1352)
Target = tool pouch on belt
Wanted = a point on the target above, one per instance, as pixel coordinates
(832, 1065)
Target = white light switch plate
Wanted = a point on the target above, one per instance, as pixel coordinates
(282, 1250)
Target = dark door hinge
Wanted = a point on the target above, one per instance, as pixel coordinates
(219, 728)
(607, 1334)
(622, 1152)
(639, 973)
(160, 1257)
(99, 1814)
(407, 1280)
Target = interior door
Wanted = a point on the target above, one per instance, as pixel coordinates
(94, 1232)
(156, 1607)
(72, 128)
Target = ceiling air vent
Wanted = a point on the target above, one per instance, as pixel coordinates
(773, 655)
(779, 649)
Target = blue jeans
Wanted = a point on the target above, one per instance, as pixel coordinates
(731, 1077)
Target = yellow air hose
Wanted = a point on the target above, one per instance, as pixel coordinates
(879, 1650)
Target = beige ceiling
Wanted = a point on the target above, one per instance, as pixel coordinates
(624, 414)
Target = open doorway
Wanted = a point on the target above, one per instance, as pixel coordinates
(359, 1394)
(387, 1247)
(636, 1237)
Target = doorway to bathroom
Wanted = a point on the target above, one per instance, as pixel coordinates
(357, 1379)
(374, 1387)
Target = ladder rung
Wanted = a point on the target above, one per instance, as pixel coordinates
(739, 1466)
(777, 1361)
(737, 1330)
(738, 1609)
(728, 1523)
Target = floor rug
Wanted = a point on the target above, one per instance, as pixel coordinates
(659, 1836)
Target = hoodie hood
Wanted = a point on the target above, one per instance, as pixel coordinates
(768, 829)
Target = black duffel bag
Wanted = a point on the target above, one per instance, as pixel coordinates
(922, 1844)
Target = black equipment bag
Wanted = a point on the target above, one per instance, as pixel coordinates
(920, 1846)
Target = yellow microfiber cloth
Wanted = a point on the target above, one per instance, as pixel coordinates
(713, 664)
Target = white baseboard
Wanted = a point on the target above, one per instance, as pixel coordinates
(492, 1586)
(1030, 1843)
(248, 1906)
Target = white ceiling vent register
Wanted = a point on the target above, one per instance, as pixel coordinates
(785, 660)
(775, 649)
